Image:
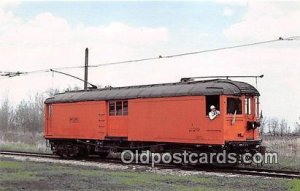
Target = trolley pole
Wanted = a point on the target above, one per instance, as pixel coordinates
(86, 68)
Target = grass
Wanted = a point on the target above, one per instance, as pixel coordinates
(288, 149)
(139, 179)
(20, 176)
(15, 172)
(8, 165)
(26, 175)
(294, 185)
(24, 147)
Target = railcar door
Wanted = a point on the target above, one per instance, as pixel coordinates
(213, 126)
(235, 120)
(118, 118)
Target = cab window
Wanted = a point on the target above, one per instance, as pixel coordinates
(212, 100)
(256, 106)
(234, 105)
(248, 106)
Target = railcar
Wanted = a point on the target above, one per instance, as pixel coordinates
(165, 117)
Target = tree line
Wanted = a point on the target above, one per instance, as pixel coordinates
(278, 127)
(25, 117)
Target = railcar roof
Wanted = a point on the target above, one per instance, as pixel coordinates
(194, 88)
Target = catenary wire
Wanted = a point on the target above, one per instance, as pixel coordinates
(14, 74)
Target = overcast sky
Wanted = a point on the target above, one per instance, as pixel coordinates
(38, 35)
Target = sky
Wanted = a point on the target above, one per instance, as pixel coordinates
(41, 34)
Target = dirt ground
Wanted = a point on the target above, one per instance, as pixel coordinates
(28, 175)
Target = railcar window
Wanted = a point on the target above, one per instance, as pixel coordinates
(112, 108)
(125, 107)
(248, 106)
(234, 105)
(119, 107)
(50, 110)
(212, 100)
(256, 106)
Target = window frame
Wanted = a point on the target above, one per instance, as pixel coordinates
(110, 113)
(256, 106)
(118, 108)
(118, 112)
(248, 105)
(207, 104)
(241, 102)
(125, 113)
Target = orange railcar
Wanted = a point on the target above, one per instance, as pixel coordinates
(160, 117)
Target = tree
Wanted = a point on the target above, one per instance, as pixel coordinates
(273, 126)
(263, 125)
(283, 127)
(297, 126)
(6, 113)
(51, 92)
(29, 114)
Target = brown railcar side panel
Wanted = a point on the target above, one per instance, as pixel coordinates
(117, 126)
(82, 120)
(175, 119)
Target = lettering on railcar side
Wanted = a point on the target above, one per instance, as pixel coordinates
(74, 120)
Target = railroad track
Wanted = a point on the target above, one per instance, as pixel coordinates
(248, 171)
(235, 170)
(265, 172)
(28, 154)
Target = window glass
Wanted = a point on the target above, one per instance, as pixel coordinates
(234, 105)
(256, 107)
(112, 108)
(247, 106)
(125, 107)
(119, 107)
(50, 110)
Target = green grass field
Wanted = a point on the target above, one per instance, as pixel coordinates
(26, 175)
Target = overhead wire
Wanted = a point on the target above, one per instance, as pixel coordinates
(18, 73)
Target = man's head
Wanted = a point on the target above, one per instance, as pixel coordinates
(212, 107)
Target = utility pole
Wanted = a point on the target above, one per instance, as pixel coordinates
(86, 68)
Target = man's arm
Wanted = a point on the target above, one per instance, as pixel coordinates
(211, 115)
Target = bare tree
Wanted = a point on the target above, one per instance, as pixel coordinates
(29, 114)
(51, 92)
(297, 126)
(72, 88)
(6, 112)
(283, 127)
(273, 126)
(269, 127)
(263, 125)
